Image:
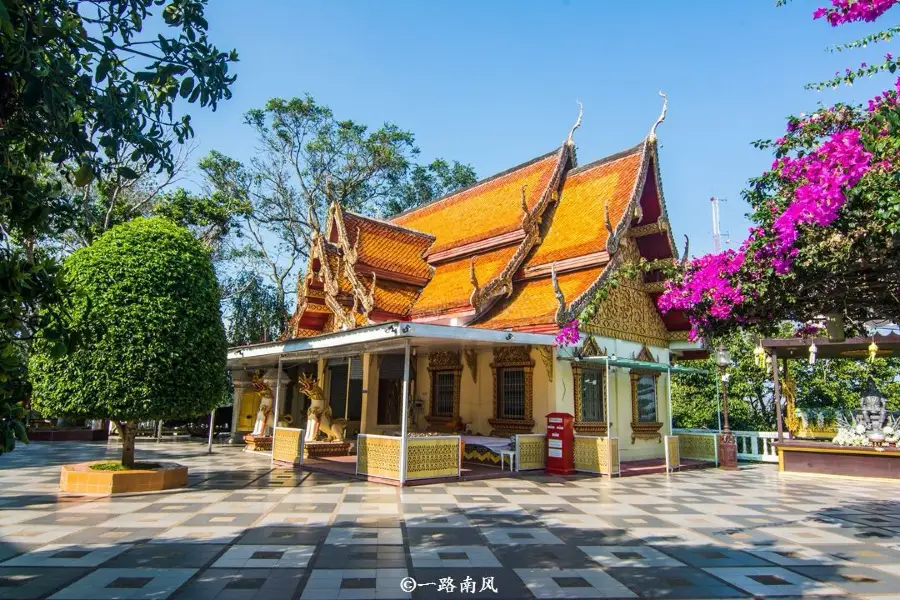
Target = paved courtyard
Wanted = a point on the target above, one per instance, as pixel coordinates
(242, 531)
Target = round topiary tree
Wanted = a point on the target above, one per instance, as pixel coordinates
(150, 340)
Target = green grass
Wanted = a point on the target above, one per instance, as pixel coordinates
(117, 466)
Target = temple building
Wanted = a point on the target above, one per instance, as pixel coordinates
(474, 287)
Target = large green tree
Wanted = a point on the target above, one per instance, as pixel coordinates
(307, 158)
(145, 306)
(88, 93)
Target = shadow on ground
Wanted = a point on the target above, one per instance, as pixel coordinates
(242, 530)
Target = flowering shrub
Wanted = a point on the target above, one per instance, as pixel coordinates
(847, 11)
(568, 335)
(827, 221)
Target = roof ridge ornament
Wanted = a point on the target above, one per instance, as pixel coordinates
(560, 297)
(473, 299)
(662, 117)
(570, 140)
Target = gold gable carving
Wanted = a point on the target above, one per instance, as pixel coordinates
(512, 356)
(645, 355)
(590, 348)
(629, 313)
(443, 361)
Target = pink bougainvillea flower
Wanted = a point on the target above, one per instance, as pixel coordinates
(849, 11)
(568, 335)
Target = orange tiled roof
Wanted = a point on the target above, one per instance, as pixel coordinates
(534, 302)
(395, 298)
(389, 247)
(578, 225)
(450, 287)
(489, 208)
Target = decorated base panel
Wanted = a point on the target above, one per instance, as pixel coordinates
(287, 447)
(258, 443)
(325, 449)
(426, 457)
(80, 479)
(699, 446)
(831, 459)
(531, 451)
(597, 455)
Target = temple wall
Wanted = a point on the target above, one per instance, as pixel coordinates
(620, 401)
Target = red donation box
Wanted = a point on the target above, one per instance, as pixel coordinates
(560, 443)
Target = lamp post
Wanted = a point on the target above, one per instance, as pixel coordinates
(727, 446)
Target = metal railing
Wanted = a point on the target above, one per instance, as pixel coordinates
(752, 446)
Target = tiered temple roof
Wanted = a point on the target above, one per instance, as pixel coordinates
(523, 250)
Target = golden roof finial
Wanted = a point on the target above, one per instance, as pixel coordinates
(662, 116)
(570, 140)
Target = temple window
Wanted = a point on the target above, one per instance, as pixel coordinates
(512, 370)
(645, 422)
(512, 394)
(444, 385)
(591, 395)
(646, 398)
(446, 371)
(590, 399)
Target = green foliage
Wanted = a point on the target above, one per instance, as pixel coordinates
(253, 312)
(750, 407)
(83, 96)
(428, 182)
(831, 384)
(11, 427)
(307, 160)
(117, 466)
(145, 305)
(211, 217)
(839, 384)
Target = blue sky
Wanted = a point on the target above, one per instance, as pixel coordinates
(494, 84)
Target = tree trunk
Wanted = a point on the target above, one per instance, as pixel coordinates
(128, 431)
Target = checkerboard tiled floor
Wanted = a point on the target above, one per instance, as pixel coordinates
(242, 531)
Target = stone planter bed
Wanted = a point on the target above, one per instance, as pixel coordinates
(825, 458)
(81, 479)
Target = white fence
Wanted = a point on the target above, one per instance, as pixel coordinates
(754, 446)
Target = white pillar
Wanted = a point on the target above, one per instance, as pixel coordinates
(212, 425)
(404, 422)
(718, 403)
(240, 383)
(608, 413)
(277, 402)
(669, 397)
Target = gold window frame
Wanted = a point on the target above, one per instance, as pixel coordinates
(511, 357)
(443, 362)
(592, 427)
(646, 430)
